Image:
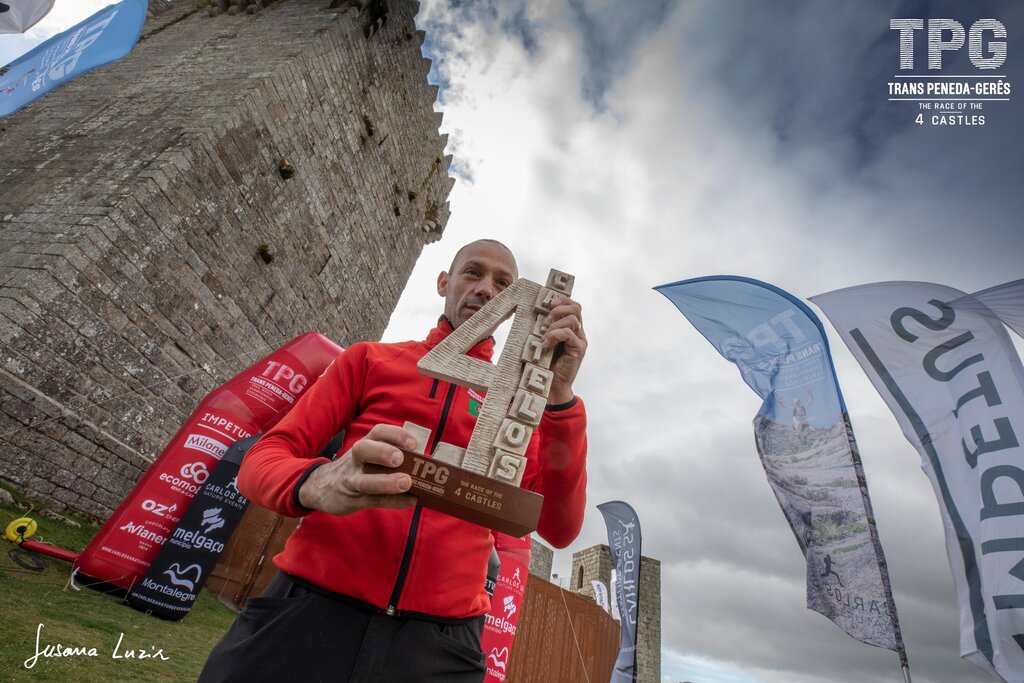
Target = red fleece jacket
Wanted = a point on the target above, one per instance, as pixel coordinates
(361, 555)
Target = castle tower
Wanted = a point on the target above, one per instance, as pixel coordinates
(541, 559)
(595, 564)
(166, 220)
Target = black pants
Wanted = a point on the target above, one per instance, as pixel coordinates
(293, 634)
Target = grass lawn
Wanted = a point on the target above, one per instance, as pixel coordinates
(89, 619)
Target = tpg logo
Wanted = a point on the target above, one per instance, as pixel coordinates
(76, 47)
(279, 373)
(948, 34)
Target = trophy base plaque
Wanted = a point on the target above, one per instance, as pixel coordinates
(468, 495)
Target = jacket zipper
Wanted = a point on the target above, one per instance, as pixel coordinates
(410, 540)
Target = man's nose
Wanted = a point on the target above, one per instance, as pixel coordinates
(486, 288)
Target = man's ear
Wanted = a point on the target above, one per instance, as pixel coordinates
(442, 283)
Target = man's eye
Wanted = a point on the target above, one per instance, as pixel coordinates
(503, 283)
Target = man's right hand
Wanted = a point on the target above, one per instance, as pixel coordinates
(342, 487)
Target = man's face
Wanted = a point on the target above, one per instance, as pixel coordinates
(480, 271)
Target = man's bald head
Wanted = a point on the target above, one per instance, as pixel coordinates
(461, 253)
(479, 271)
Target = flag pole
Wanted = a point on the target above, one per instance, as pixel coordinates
(639, 592)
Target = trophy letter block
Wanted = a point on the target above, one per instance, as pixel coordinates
(481, 483)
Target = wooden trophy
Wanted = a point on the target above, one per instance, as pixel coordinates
(480, 483)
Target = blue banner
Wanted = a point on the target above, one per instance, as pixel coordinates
(805, 442)
(777, 343)
(624, 545)
(104, 37)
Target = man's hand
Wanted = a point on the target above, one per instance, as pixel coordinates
(342, 487)
(565, 334)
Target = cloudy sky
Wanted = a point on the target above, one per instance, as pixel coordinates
(65, 13)
(635, 144)
(639, 143)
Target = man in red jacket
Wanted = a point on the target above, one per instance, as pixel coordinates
(372, 586)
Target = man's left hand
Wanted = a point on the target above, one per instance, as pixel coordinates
(565, 334)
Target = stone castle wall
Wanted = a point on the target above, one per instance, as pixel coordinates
(541, 559)
(595, 564)
(134, 202)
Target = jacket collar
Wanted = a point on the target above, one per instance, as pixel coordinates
(483, 349)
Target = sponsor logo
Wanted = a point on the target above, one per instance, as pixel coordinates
(227, 494)
(624, 549)
(515, 582)
(509, 604)
(204, 444)
(142, 532)
(159, 509)
(216, 422)
(196, 539)
(853, 604)
(183, 577)
(957, 99)
(428, 470)
(284, 376)
(948, 35)
(176, 593)
(499, 624)
(178, 483)
(212, 519)
(80, 41)
(196, 471)
(498, 657)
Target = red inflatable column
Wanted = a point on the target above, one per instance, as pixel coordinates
(500, 623)
(251, 402)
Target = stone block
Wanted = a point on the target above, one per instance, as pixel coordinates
(535, 353)
(507, 467)
(513, 437)
(536, 380)
(527, 407)
(560, 282)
